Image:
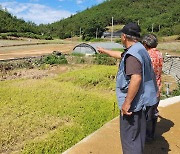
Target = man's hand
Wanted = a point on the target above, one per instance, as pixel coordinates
(115, 54)
(101, 50)
(125, 108)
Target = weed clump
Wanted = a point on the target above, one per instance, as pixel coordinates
(103, 59)
(54, 59)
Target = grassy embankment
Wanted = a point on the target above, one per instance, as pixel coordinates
(50, 115)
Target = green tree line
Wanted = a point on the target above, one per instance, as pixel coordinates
(162, 15)
(12, 26)
(10, 23)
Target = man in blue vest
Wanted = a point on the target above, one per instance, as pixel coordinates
(136, 89)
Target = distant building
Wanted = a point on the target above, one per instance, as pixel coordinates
(116, 34)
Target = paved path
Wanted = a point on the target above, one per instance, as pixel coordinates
(106, 140)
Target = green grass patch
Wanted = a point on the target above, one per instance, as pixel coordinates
(27, 35)
(78, 54)
(54, 59)
(103, 59)
(176, 92)
(51, 115)
(97, 40)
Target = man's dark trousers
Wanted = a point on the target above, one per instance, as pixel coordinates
(133, 132)
(151, 121)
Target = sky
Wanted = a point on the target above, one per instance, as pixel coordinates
(46, 11)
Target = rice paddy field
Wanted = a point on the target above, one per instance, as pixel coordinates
(172, 48)
(50, 115)
(22, 41)
(26, 47)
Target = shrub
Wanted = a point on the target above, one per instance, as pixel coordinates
(176, 29)
(178, 38)
(78, 54)
(48, 38)
(54, 59)
(166, 32)
(118, 40)
(97, 40)
(3, 36)
(176, 92)
(103, 59)
(80, 60)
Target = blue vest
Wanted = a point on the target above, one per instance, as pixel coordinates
(147, 93)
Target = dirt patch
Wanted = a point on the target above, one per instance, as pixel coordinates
(34, 50)
(38, 73)
(34, 73)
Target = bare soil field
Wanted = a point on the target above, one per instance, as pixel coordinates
(34, 50)
(24, 48)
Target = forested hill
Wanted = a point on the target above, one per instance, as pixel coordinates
(164, 15)
(9, 23)
(11, 26)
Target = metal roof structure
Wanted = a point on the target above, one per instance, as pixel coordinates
(91, 48)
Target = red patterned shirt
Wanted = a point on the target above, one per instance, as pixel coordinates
(157, 63)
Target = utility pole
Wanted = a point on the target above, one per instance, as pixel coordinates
(71, 36)
(80, 32)
(152, 28)
(96, 33)
(112, 30)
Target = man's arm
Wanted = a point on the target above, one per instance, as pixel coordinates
(132, 91)
(115, 54)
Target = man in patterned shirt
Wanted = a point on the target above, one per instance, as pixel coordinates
(150, 42)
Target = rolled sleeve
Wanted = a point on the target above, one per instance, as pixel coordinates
(133, 66)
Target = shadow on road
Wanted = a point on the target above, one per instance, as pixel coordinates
(160, 145)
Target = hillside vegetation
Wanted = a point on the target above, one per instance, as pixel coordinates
(164, 15)
(12, 26)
